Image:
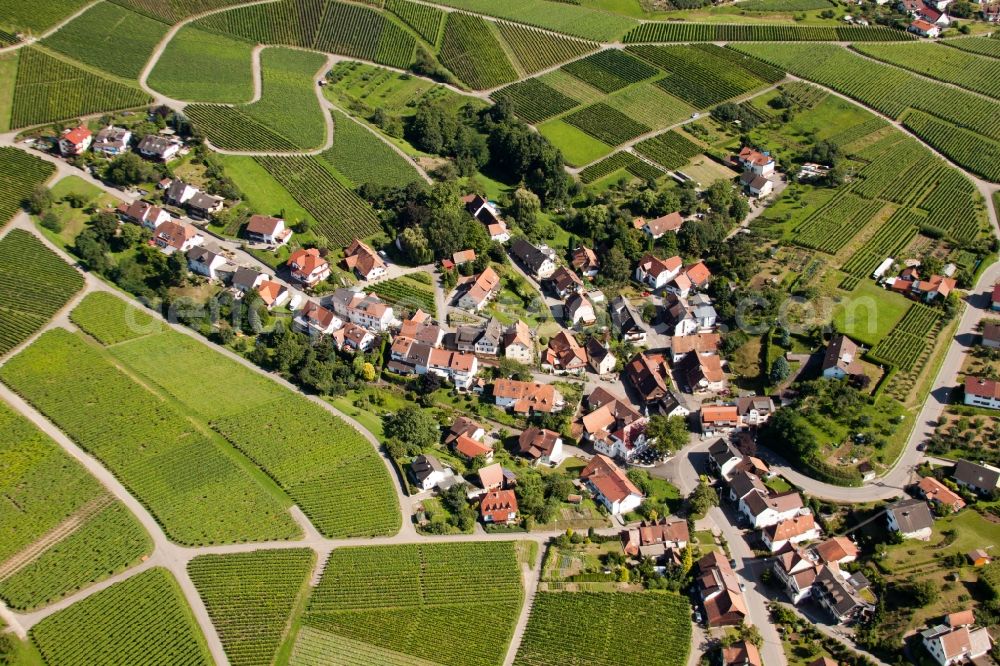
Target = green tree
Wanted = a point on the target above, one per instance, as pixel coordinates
(39, 201)
(671, 433)
(779, 370)
(524, 208)
(130, 169)
(616, 269)
(702, 498)
(412, 425)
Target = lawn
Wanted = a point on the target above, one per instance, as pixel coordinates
(869, 312)
(72, 219)
(578, 148)
(261, 191)
(704, 171)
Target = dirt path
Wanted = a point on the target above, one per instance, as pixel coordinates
(530, 575)
(34, 550)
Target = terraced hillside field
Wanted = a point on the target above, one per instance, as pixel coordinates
(27, 305)
(201, 66)
(35, 17)
(471, 49)
(364, 158)
(426, 602)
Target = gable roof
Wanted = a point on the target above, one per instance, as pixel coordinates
(655, 266)
(491, 476)
(518, 334)
(973, 474)
(836, 549)
(264, 225)
(361, 258)
(938, 492)
(842, 353)
(609, 480)
(982, 387)
(498, 504)
(791, 528)
(537, 443)
(470, 448)
(661, 225)
(481, 286)
(911, 515)
(528, 254)
(306, 261)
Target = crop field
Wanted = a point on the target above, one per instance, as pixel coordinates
(832, 227)
(607, 166)
(671, 150)
(20, 173)
(891, 238)
(572, 87)
(887, 89)
(649, 104)
(968, 149)
(537, 50)
(972, 72)
(884, 177)
(471, 50)
(314, 647)
(331, 471)
(645, 170)
(341, 214)
(660, 629)
(142, 620)
(49, 89)
(108, 542)
(566, 18)
(364, 158)
(610, 70)
(758, 68)
(718, 32)
(697, 76)
(196, 491)
(408, 293)
(172, 11)
(952, 206)
(286, 116)
(425, 20)
(427, 601)
(110, 38)
(200, 66)
(534, 101)
(909, 338)
(250, 596)
(765, 6)
(27, 305)
(847, 136)
(977, 45)
(111, 320)
(606, 124)
(35, 17)
(324, 25)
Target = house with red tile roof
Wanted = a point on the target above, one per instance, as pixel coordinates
(315, 319)
(995, 298)
(720, 592)
(585, 260)
(499, 507)
(658, 227)
(308, 267)
(143, 213)
(527, 397)
(982, 392)
(611, 486)
(364, 261)
(173, 237)
(565, 355)
(655, 273)
(478, 290)
(741, 653)
(937, 493)
(469, 448)
(655, 538)
(75, 141)
(799, 528)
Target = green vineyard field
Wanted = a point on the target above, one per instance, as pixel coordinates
(671, 150)
(408, 294)
(111, 320)
(425, 20)
(712, 32)
(200, 66)
(610, 70)
(972, 72)
(471, 50)
(535, 101)
(606, 124)
(608, 166)
(364, 158)
(537, 50)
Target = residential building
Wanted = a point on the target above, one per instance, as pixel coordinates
(723, 458)
(488, 343)
(364, 261)
(991, 335)
(202, 205)
(701, 372)
(463, 257)
(980, 478)
(800, 528)
(112, 141)
(982, 392)
(585, 261)
(499, 507)
(421, 328)
(484, 211)
(953, 645)
(353, 338)
(656, 228)
(656, 538)
(911, 518)
(541, 446)
(267, 229)
(411, 357)
(162, 148)
(464, 426)
(939, 494)
(765, 510)
(316, 320)
(841, 595)
(565, 282)
(527, 397)
(564, 355)
(841, 359)
(995, 298)
(247, 279)
(179, 192)
(720, 592)
(75, 141)
(274, 294)
(205, 262)
(626, 442)
(173, 237)
(797, 568)
(491, 477)
(518, 344)
(755, 184)
(936, 286)
(599, 357)
(611, 486)
(699, 343)
(579, 310)
(754, 410)
(479, 290)
(308, 267)
(719, 420)
(609, 414)
(470, 448)
(655, 273)
(755, 161)
(647, 374)
(428, 472)
(539, 264)
(465, 338)
(366, 310)
(978, 557)
(741, 653)
(627, 322)
(143, 213)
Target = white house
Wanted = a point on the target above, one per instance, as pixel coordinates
(316, 320)
(267, 229)
(157, 147)
(953, 645)
(179, 192)
(912, 518)
(626, 442)
(364, 261)
(579, 310)
(800, 528)
(981, 392)
(763, 511)
(308, 267)
(75, 141)
(541, 446)
(611, 486)
(176, 237)
(205, 262)
(428, 472)
(655, 273)
(518, 344)
(112, 141)
(755, 161)
(538, 263)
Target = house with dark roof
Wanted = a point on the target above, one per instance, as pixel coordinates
(112, 141)
(627, 322)
(585, 261)
(842, 359)
(156, 147)
(980, 478)
(541, 446)
(912, 518)
(539, 264)
(655, 273)
(842, 596)
(205, 262)
(647, 375)
(428, 472)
